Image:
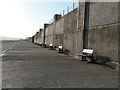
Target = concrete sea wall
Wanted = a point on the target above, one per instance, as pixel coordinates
(92, 25)
(103, 29)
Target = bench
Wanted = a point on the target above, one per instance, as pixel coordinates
(87, 53)
(51, 46)
(60, 49)
(40, 43)
(44, 45)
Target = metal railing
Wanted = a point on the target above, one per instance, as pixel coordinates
(51, 21)
(66, 11)
(69, 9)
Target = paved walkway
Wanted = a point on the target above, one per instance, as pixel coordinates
(27, 65)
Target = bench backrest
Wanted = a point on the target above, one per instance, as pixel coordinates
(51, 45)
(40, 42)
(89, 51)
(60, 47)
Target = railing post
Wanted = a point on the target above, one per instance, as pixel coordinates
(63, 13)
(73, 6)
(68, 9)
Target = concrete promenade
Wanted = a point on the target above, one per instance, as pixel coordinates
(27, 65)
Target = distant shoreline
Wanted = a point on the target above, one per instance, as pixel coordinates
(8, 40)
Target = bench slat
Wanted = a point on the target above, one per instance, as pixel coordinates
(87, 51)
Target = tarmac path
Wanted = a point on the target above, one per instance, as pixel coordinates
(5, 45)
(27, 65)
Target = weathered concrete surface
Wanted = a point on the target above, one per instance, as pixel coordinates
(30, 66)
(70, 32)
(70, 40)
(103, 13)
(80, 26)
(103, 29)
(59, 26)
(59, 29)
(70, 21)
(49, 34)
(104, 41)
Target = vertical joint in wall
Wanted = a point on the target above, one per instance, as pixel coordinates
(45, 26)
(86, 25)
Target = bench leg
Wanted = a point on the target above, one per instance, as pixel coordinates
(83, 58)
(91, 60)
